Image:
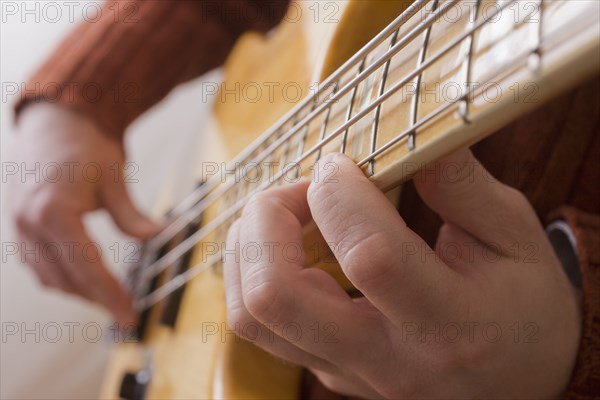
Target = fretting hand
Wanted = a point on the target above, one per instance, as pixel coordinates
(488, 313)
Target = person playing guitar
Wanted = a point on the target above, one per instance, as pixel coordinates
(446, 259)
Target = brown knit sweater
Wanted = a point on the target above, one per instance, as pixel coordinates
(117, 67)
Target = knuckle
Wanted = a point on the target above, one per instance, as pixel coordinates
(391, 390)
(517, 204)
(264, 302)
(515, 197)
(462, 357)
(368, 260)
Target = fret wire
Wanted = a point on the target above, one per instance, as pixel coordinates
(173, 285)
(284, 148)
(538, 28)
(269, 159)
(289, 148)
(325, 123)
(287, 144)
(195, 270)
(178, 223)
(541, 27)
(303, 137)
(350, 107)
(305, 132)
(414, 105)
(463, 109)
(407, 132)
(164, 261)
(535, 59)
(184, 246)
(180, 280)
(322, 133)
(377, 114)
(426, 120)
(181, 209)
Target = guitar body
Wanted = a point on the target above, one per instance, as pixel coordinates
(200, 357)
(194, 355)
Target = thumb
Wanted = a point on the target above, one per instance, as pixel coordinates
(124, 213)
(465, 194)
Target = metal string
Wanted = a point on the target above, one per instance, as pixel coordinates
(190, 207)
(187, 244)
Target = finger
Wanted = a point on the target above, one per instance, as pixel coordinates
(462, 192)
(48, 273)
(346, 385)
(44, 259)
(293, 301)
(246, 326)
(82, 262)
(127, 217)
(457, 248)
(390, 264)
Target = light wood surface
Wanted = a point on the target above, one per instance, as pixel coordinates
(200, 358)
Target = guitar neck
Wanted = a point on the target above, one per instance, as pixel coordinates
(480, 75)
(442, 76)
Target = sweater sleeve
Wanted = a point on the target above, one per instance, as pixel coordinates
(117, 64)
(585, 379)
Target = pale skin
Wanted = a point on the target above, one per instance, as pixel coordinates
(381, 348)
(49, 211)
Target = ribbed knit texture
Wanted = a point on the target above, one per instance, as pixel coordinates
(115, 67)
(585, 381)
